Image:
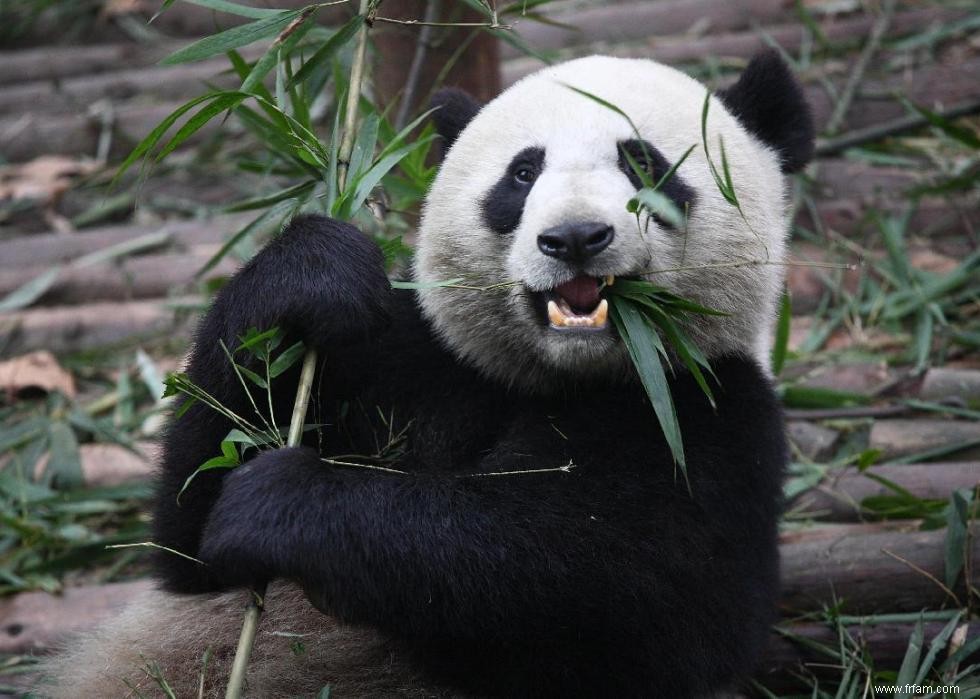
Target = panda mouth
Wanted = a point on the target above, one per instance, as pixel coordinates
(578, 305)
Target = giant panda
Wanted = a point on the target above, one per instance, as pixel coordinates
(537, 541)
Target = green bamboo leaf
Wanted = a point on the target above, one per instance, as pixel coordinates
(320, 60)
(354, 196)
(273, 216)
(276, 52)
(910, 664)
(363, 152)
(142, 243)
(937, 646)
(689, 353)
(228, 459)
(233, 38)
(781, 345)
(645, 350)
(297, 192)
(957, 521)
(965, 135)
(221, 103)
(252, 376)
(29, 292)
(657, 203)
(64, 463)
(287, 359)
(233, 8)
(425, 285)
(152, 138)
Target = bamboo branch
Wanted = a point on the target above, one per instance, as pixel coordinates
(236, 679)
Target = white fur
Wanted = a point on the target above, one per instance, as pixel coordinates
(172, 632)
(497, 330)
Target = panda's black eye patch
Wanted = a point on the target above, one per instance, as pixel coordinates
(503, 205)
(654, 166)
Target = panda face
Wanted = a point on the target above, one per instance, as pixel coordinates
(530, 206)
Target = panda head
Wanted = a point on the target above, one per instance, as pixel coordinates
(531, 197)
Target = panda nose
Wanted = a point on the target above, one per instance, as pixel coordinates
(576, 242)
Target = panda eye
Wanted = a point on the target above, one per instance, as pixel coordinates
(525, 174)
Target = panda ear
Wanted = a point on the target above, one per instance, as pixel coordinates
(454, 110)
(769, 102)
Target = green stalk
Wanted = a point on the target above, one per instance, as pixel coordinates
(236, 679)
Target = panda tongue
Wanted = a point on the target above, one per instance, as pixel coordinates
(581, 293)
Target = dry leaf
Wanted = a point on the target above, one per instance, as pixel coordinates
(43, 179)
(36, 370)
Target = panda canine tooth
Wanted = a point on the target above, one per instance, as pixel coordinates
(598, 316)
(556, 316)
(609, 279)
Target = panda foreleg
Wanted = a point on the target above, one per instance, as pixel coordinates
(321, 281)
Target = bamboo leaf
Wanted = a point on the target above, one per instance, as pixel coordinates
(280, 49)
(320, 60)
(233, 38)
(645, 350)
(222, 102)
(29, 292)
(233, 8)
(957, 521)
(658, 204)
(152, 138)
(228, 459)
(268, 218)
(781, 345)
(64, 463)
(287, 359)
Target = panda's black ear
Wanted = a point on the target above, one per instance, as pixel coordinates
(454, 110)
(769, 102)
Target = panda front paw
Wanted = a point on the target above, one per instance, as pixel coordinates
(256, 530)
(321, 280)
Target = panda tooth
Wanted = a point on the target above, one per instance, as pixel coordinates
(610, 279)
(599, 315)
(556, 316)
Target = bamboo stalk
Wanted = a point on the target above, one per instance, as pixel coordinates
(236, 679)
(246, 640)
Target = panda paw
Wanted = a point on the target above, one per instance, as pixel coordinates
(257, 528)
(321, 280)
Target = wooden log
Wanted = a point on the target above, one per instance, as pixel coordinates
(37, 621)
(928, 86)
(60, 62)
(142, 277)
(942, 383)
(25, 136)
(618, 22)
(868, 569)
(64, 329)
(55, 248)
(839, 497)
(656, 41)
(160, 83)
(898, 438)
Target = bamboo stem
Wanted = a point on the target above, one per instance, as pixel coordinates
(250, 626)
(236, 679)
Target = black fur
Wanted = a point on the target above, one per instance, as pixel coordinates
(455, 109)
(503, 205)
(770, 103)
(608, 580)
(643, 153)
